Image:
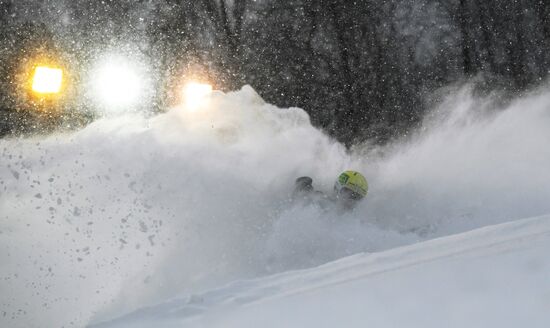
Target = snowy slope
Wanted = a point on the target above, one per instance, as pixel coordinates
(497, 276)
(131, 210)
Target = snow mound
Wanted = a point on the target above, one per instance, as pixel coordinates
(491, 277)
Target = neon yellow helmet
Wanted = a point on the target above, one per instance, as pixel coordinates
(352, 181)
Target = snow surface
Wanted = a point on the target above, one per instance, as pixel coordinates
(134, 210)
(492, 277)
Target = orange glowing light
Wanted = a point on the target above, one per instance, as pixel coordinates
(47, 80)
(195, 93)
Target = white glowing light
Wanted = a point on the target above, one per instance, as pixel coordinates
(118, 84)
(47, 80)
(195, 94)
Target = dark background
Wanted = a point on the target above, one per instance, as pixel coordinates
(361, 69)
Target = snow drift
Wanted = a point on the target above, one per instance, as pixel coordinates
(134, 210)
(491, 277)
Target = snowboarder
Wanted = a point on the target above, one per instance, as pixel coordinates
(349, 189)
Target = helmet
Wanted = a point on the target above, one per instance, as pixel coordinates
(352, 184)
